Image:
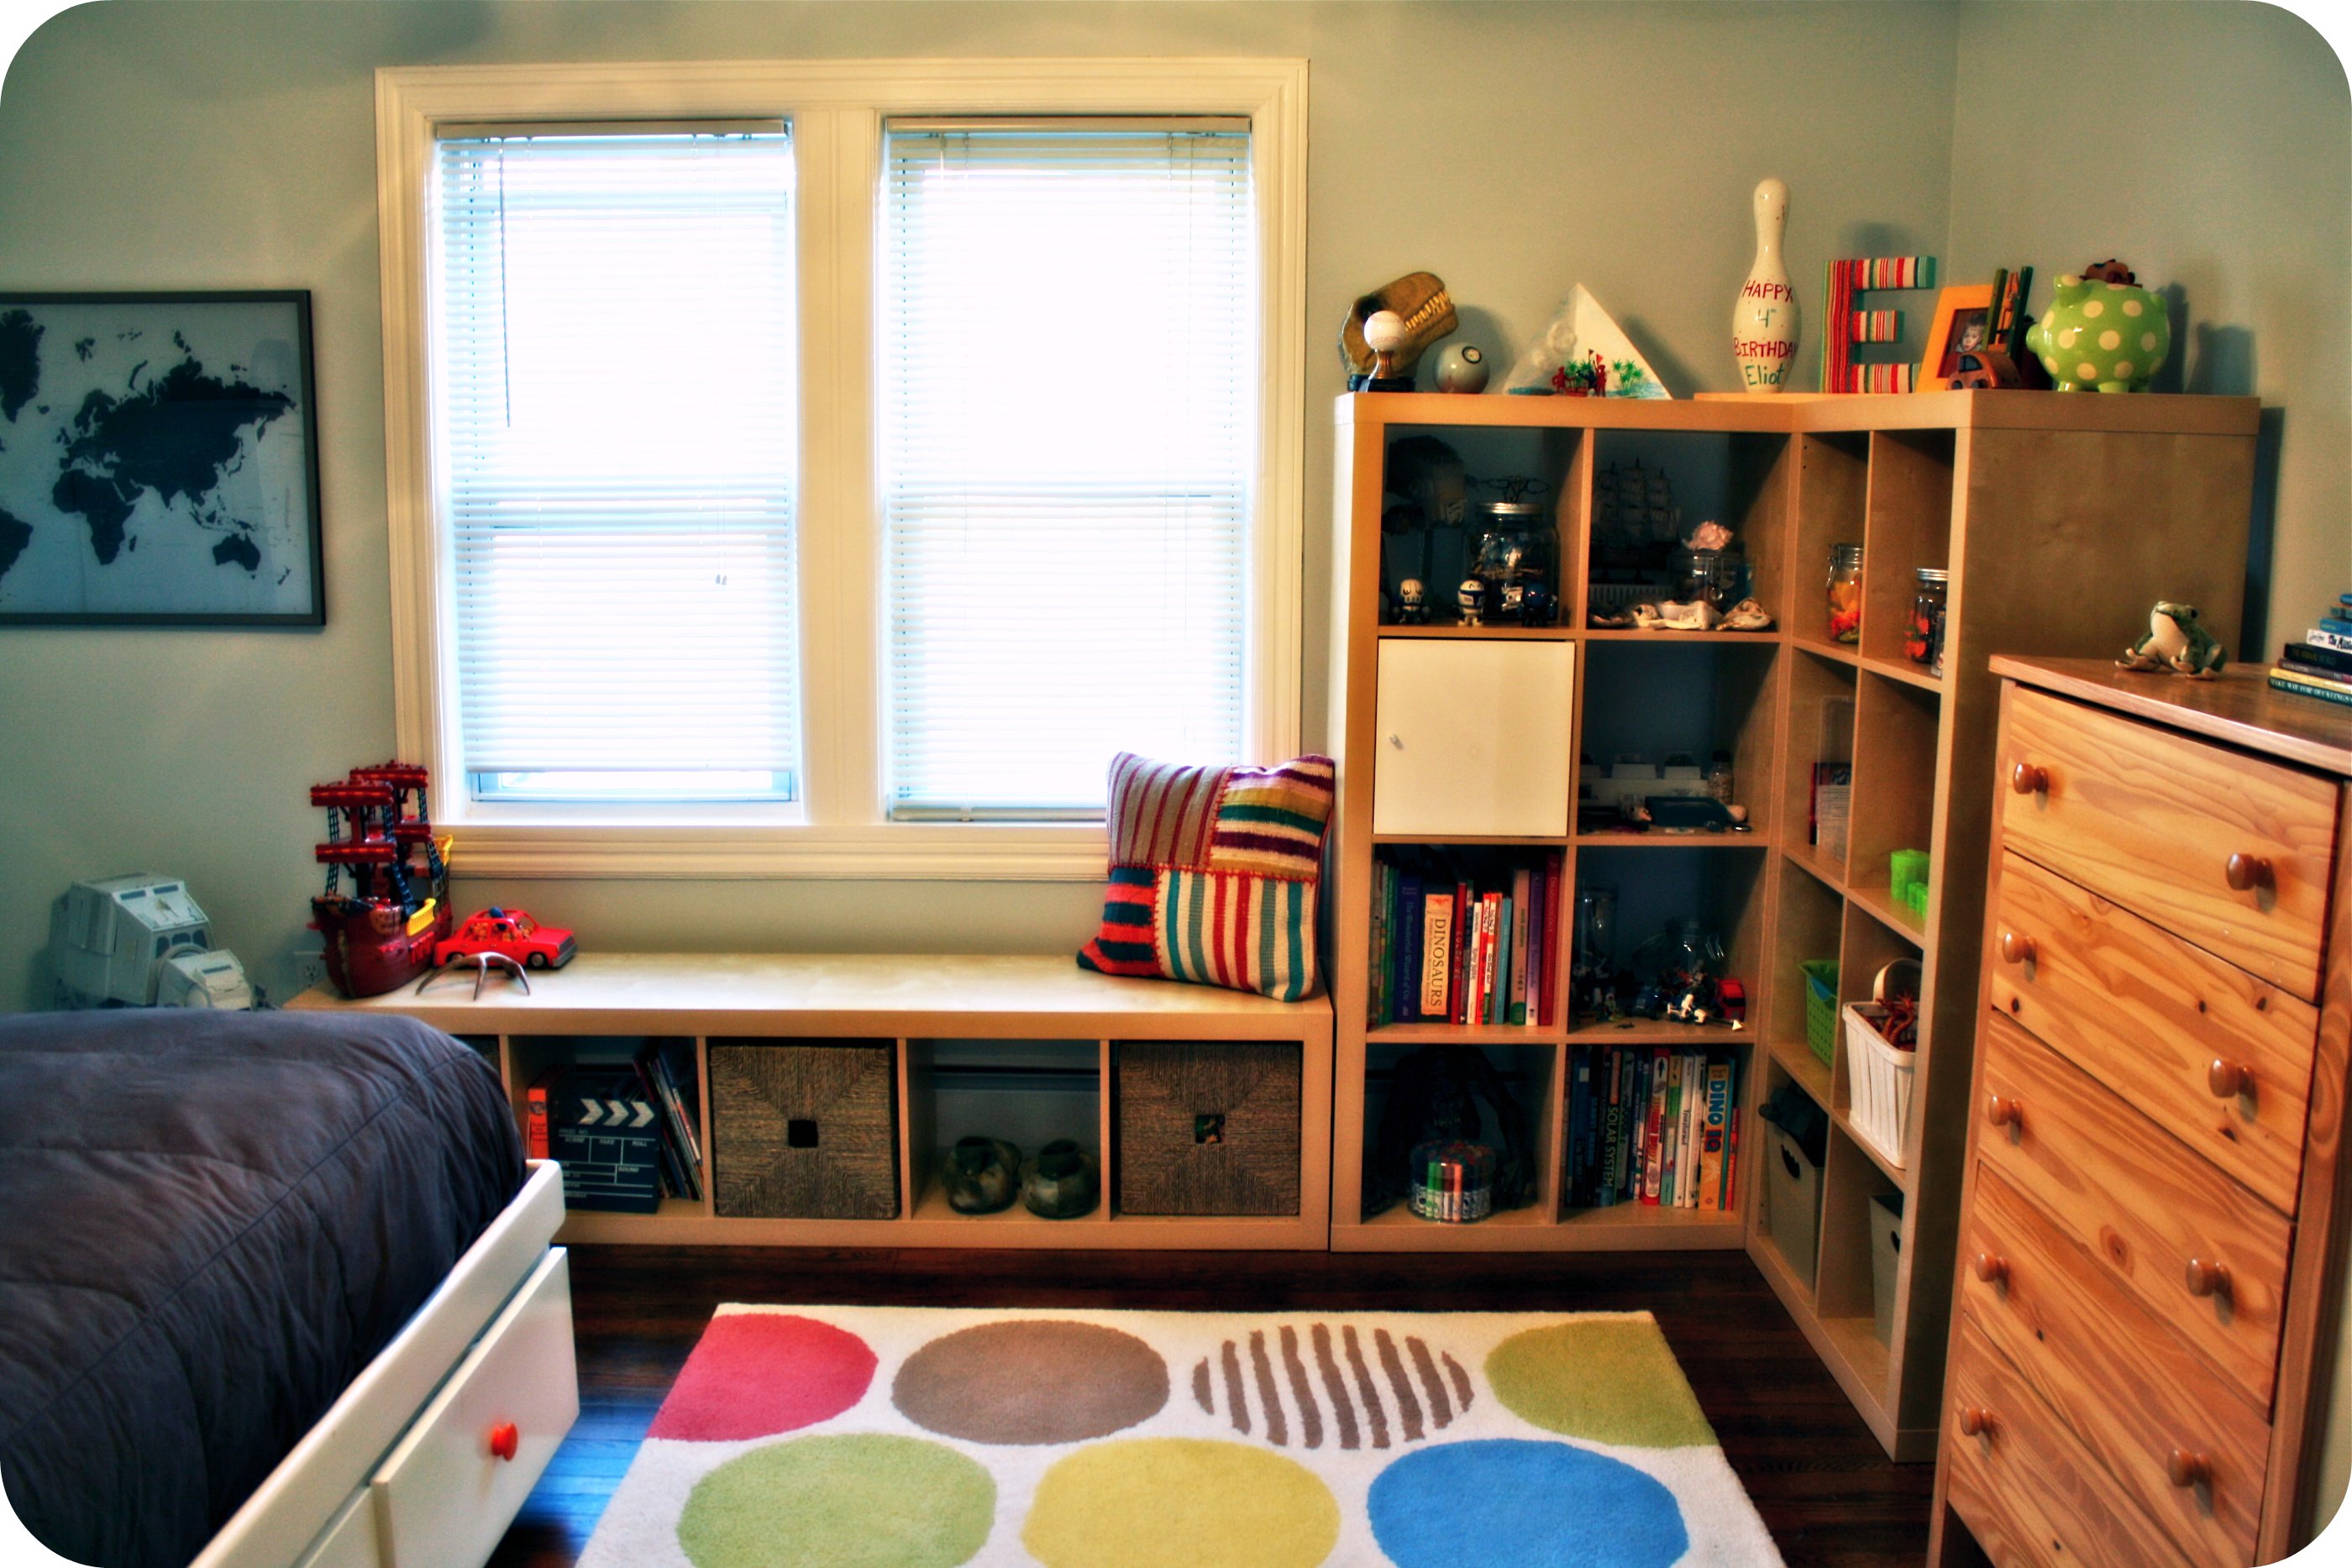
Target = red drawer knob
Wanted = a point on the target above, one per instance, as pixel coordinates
(2188, 1470)
(2228, 1080)
(1992, 1267)
(2208, 1279)
(2028, 780)
(2246, 873)
(1976, 1421)
(503, 1439)
(2001, 1111)
(2016, 947)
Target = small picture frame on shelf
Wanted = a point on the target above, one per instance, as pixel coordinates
(1963, 324)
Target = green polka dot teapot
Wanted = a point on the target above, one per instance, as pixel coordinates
(2101, 332)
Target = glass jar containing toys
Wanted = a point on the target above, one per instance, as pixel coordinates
(1924, 642)
(1679, 974)
(1516, 553)
(1845, 593)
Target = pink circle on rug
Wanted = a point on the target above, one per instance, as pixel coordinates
(755, 1375)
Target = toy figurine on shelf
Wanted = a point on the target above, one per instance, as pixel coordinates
(1412, 604)
(384, 933)
(1538, 606)
(2178, 642)
(1589, 378)
(1472, 597)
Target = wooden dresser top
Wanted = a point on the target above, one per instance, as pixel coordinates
(2239, 706)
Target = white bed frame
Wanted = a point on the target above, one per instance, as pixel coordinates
(400, 1472)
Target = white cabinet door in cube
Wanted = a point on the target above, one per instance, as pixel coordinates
(1473, 738)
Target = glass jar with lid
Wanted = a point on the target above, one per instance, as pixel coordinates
(1845, 593)
(1514, 546)
(1924, 642)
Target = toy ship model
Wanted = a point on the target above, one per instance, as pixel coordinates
(383, 934)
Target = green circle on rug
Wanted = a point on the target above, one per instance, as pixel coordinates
(1032, 1381)
(1178, 1502)
(858, 1501)
(1605, 1380)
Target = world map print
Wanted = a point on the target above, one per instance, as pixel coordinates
(154, 459)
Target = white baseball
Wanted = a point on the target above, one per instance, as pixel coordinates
(1384, 332)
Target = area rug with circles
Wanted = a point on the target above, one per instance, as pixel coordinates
(927, 1437)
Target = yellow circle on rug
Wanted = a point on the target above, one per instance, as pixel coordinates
(1178, 1502)
(1605, 1380)
(856, 1501)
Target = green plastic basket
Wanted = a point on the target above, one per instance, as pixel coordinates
(1820, 1005)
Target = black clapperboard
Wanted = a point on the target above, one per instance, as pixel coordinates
(607, 1137)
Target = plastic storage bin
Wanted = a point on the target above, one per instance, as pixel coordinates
(1885, 1256)
(1881, 1078)
(1792, 1199)
(1820, 1005)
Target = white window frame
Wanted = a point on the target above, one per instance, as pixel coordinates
(835, 109)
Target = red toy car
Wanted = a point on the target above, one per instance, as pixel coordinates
(510, 932)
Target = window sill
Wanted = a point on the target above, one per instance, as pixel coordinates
(947, 853)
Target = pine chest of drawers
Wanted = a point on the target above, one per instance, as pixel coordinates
(2152, 1229)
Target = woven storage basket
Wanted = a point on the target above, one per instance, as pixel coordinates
(804, 1129)
(1881, 1076)
(1207, 1128)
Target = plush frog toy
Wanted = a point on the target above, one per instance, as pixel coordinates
(2176, 640)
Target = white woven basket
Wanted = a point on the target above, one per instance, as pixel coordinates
(1880, 1076)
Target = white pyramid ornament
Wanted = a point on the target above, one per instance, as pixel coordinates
(1577, 331)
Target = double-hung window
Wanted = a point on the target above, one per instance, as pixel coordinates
(615, 350)
(825, 468)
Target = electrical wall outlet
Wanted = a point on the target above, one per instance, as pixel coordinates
(310, 966)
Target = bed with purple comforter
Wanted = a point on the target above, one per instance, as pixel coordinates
(209, 1224)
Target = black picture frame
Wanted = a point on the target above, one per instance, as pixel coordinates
(132, 445)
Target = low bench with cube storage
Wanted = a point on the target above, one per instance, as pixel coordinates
(829, 1089)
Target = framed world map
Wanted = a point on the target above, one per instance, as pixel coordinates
(159, 460)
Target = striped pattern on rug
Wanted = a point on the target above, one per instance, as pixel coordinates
(1369, 1388)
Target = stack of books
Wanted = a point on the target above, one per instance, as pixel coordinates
(624, 1132)
(1652, 1125)
(1464, 939)
(2321, 664)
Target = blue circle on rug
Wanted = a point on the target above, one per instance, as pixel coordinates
(1507, 1502)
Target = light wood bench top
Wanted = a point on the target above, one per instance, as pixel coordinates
(951, 996)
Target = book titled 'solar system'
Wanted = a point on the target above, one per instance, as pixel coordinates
(606, 1135)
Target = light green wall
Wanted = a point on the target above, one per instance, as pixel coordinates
(2209, 147)
(1512, 149)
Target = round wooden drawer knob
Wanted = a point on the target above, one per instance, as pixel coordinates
(2028, 780)
(2016, 947)
(2246, 873)
(2228, 1080)
(1976, 1421)
(1992, 1267)
(2001, 1111)
(2187, 1469)
(504, 1439)
(2208, 1279)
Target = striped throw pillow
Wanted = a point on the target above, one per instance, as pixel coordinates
(1213, 873)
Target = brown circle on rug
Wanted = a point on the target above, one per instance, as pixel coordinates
(1031, 1381)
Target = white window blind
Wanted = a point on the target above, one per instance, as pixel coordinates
(1069, 383)
(614, 369)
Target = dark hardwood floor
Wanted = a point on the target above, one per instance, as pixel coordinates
(1827, 1491)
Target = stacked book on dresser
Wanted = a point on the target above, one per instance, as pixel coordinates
(2321, 664)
